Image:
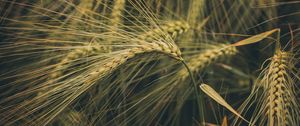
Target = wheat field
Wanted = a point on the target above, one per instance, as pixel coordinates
(149, 62)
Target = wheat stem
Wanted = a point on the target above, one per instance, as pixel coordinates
(199, 97)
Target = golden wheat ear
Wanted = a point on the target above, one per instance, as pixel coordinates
(74, 55)
(273, 94)
(198, 62)
(169, 29)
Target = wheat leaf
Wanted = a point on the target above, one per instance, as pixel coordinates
(255, 38)
(215, 96)
(225, 122)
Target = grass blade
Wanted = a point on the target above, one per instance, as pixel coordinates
(215, 96)
(255, 38)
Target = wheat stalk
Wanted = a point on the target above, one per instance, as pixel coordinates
(116, 17)
(159, 47)
(276, 89)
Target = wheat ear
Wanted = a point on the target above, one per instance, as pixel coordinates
(116, 14)
(276, 102)
(73, 55)
(151, 47)
(82, 10)
(280, 96)
(202, 60)
(172, 28)
(116, 18)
